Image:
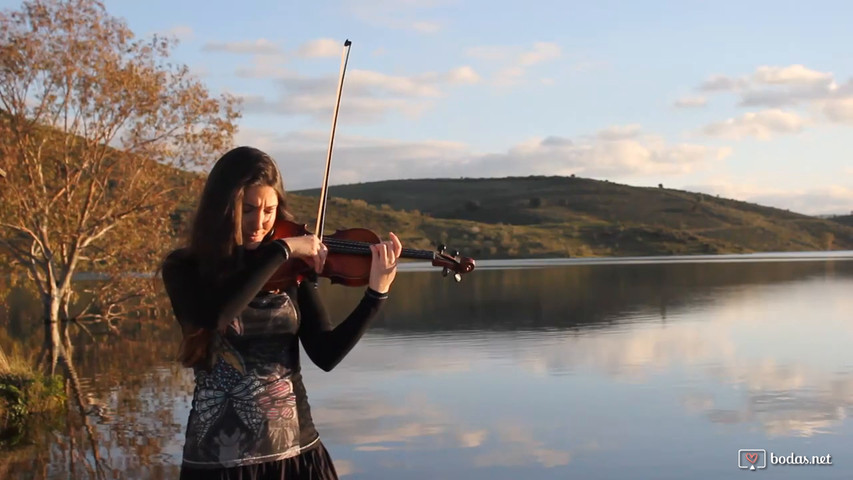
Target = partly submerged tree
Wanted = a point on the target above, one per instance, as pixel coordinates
(93, 122)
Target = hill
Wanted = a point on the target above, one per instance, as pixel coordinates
(843, 219)
(560, 216)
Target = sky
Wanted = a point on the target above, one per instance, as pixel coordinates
(747, 100)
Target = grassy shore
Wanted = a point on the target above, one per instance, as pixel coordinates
(24, 394)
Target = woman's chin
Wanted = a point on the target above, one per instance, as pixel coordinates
(251, 245)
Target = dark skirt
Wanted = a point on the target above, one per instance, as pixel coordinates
(312, 464)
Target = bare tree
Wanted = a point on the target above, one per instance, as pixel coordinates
(93, 123)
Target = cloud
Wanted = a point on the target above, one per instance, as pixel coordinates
(513, 62)
(371, 95)
(815, 201)
(794, 85)
(358, 109)
(268, 59)
(320, 48)
(344, 467)
(791, 75)
(839, 110)
(541, 52)
(785, 97)
(619, 132)
(614, 152)
(520, 447)
(374, 424)
(414, 86)
(260, 46)
(810, 201)
(471, 439)
(404, 15)
(265, 66)
(786, 400)
(691, 102)
(508, 77)
(762, 125)
(723, 83)
(463, 75)
(356, 158)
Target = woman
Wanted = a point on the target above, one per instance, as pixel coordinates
(250, 417)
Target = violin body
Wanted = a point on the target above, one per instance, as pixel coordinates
(348, 268)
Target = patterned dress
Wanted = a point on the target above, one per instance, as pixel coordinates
(245, 406)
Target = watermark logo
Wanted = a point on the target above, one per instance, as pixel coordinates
(757, 459)
(752, 458)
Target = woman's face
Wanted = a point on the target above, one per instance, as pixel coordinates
(259, 208)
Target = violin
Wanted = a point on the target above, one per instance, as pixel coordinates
(349, 257)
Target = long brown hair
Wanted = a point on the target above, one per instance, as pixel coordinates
(216, 235)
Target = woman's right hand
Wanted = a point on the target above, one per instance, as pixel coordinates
(309, 248)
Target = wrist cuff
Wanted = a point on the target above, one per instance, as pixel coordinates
(374, 294)
(284, 247)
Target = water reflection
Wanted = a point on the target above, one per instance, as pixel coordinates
(647, 370)
(757, 350)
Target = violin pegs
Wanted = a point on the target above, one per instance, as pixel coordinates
(445, 271)
(457, 277)
(456, 253)
(441, 248)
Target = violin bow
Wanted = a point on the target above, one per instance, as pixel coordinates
(321, 212)
(321, 209)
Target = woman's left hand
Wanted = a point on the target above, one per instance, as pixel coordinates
(384, 266)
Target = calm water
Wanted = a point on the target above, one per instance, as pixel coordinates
(579, 370)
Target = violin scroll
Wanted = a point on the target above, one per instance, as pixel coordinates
(452, 263)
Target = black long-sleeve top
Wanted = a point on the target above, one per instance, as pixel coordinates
(249, 403)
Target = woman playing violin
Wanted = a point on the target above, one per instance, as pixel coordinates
(250, 416)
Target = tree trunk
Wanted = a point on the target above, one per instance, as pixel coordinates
(53, 348)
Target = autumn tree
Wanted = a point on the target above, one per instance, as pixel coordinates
(99, 136)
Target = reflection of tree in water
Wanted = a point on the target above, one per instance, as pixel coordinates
(568, 297)
(121, 420)
(131, 386)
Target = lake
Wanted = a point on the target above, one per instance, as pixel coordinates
(605, 368)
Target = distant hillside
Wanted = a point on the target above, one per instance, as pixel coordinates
(844, 220)
(559, 216)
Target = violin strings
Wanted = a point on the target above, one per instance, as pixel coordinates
(360, 247)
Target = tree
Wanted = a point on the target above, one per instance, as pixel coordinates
(93, 123)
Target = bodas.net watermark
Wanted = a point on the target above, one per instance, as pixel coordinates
(758, 459)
